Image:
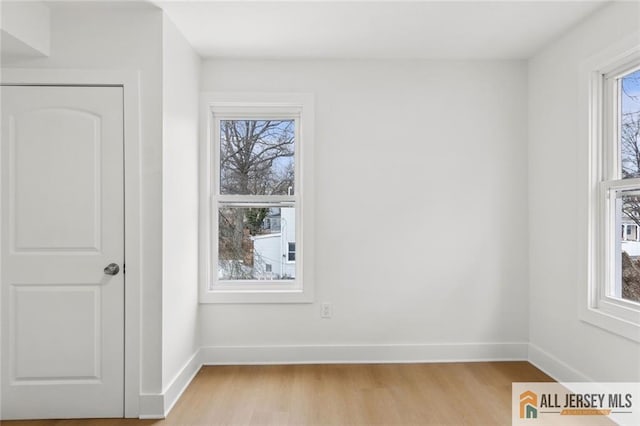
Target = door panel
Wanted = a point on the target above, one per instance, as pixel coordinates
(62, 222)
(47, 178)
(71, 343)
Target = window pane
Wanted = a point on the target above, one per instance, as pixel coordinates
(292, 252)
(630, 125)
(257, 157)
(627, 284)
(253, 243)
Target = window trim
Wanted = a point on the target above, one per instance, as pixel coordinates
(225, 105)
(596, 307)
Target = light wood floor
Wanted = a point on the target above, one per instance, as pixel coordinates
(371, 394)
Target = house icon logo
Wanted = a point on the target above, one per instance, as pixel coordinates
(528, 405)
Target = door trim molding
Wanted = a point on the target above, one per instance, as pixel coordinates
(130, 81)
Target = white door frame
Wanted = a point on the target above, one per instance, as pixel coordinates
(130, 81)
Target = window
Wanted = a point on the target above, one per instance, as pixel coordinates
(614, 277)
(291, 257)
(621, 184)
(256, 186)
(630, 233)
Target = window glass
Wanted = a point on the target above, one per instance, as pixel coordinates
(250, 247)
(257, 157)
(629, 122)
(627, 284)
(292, 252)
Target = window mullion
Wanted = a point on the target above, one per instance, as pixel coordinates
(257, 204)
(621, 184)
(256, 199)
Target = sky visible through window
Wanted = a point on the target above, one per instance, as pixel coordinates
(631, 92)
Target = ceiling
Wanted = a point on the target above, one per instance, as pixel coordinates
(374, 29)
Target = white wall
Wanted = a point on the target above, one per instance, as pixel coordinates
(125, 37)
(560, 343)
(24, 30)
(407, 153)
(181, 68)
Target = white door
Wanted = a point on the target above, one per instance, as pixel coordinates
(62, 195)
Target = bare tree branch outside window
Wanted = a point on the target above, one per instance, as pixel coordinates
(256, 157)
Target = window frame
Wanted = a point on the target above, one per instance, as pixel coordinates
(217, 106)
(605, 183)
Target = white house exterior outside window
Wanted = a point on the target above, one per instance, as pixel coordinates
(257, 196)
(613, 290)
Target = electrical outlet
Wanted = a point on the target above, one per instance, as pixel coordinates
(325, 310)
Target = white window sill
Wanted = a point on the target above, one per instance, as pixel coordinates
(255, 296)
(613, 324)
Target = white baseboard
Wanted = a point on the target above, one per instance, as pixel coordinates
(151, 406)
(554, 367)
(158, 406)
(174, 391)
(332, 354)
